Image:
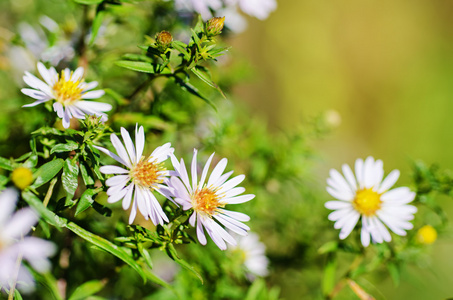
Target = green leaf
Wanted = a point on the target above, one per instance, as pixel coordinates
(97, 22)
(181, 47)
(6, 164)
(116, 96)
(330, 269)
(394, 272)
(3, 181)
(87, 179)
(255, 290)
(47, 171)
(85, 200)
(107, 246)
(206, 79)
(194, 91)
(70, 176)
(171, 251)
(328, 247)
(196, 39)
(136, 57)
(87, 289)
(31, 162)
(145, 254)
(88, 2)
(39, 207)
(69, 146)
(136, 66)
(17, 295)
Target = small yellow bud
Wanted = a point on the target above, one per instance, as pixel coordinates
(214, 26)
(163, 40)
(426, 235)
(22, 177)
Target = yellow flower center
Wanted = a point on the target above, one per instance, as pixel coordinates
(367, 202)
(22, 177)
(66, 90)
(426, 235)
(147, 173)
(206, 200)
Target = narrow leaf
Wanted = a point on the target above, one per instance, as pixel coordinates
(69, 146)
(107, 246)
(87, 179)
(88, 2)
(6, 164)
(328, 281)
(46, 214)
(87, 289)
(206, 79)
(69, 177)
(171, 251)
(47, 171)
(85, 201)
(194, 91)
(97, 22)
(136, 66)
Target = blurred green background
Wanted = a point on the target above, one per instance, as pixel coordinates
(380, 71)
(386, 67)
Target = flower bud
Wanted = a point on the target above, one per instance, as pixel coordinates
(163, 40)
(214, 26)
(426, 235)
(22, 177)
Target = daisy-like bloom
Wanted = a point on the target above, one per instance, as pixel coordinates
(208, 199)
(67, 89)
(15, 247)
(252, 252)
(135, 183)
(367, 196)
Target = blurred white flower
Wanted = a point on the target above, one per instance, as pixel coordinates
(253, 254)
(16, 247)
(209, 199)
(259, 9)
(367, 195)
(67, 89)
(140, 179)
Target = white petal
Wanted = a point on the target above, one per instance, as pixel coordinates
(349, 177)
(383, 230)
(194, 170)
(238, 199)
(336, 215)
(347, 228)
(120, 149)
(134, 209)
(93, 94)
(200, 232)
(368, 172)
(93, 107)
(389, 181)
(231, 183)
(337, 204)
(184, 176)
(8, 199)
(365, 236)
(46, 75)
(400, 195)
(89, 85)
(117, 180)
(234, 192)
(232, 224)
(129, 145)
(111, 154)
(344, 196)
(77, 75)
(20, 224)
(338, 182)
(359, 174)
(113, 170)
(217, 172)
(139, 141)
(205, 170)
(38, 95)
(234, 214)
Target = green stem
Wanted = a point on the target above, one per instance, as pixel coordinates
(50, 191)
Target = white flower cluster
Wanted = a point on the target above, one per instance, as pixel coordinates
(206, 195)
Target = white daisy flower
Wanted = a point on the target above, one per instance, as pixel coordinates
(209, 199)
(140, 178)
(253, 254)
(368, 196)
(15, 248)
(67, 90)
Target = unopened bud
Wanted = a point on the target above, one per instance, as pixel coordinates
(163, 40)
(426, 235)
(22, 177)
(214, 26)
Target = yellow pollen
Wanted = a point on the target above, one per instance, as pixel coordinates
(147, 173)
(206, 200)
(426, 235)
(67, 91)
(22, 177)
(367, 202)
